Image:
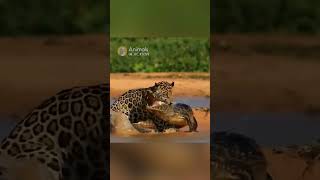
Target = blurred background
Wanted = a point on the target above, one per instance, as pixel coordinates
(265, 55)
(47, 46)
(57, 17)
(266, 65)
(274, 16)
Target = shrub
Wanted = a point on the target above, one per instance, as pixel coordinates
(165, 55)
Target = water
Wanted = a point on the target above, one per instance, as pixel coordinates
(194, 101)
(271, 129)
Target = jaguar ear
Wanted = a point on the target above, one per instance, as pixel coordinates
(156, 84)
(172, 84)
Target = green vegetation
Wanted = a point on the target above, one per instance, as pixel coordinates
(276, 16)
(36, 17)
(165, 55)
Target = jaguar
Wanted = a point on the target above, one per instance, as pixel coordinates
(65, 136)
(130, 109)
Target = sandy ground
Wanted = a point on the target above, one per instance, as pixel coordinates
(186, 84)
(203, 119)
